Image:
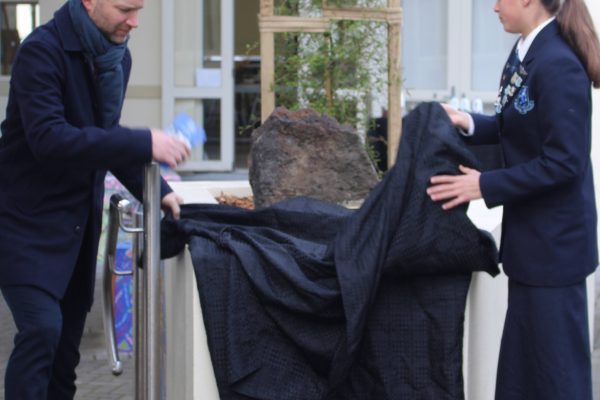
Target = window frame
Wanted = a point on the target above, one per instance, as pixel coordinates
(37, 22)
(459, 60)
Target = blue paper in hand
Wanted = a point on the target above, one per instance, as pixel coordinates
(184, 128)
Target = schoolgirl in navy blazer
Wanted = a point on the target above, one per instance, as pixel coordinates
(549, 228)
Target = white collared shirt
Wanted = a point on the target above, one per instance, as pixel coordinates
(522, 48)
(525, 42)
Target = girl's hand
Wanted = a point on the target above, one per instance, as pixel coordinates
(458, 189)
(460, 119)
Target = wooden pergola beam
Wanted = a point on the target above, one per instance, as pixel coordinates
(280, 24)
(267, 62)
(394, 86)
(387, 15)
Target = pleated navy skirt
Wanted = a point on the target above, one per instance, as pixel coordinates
(545, 352)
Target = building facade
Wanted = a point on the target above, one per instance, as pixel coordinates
(202, 57)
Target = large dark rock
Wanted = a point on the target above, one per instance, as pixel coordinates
(303, 153)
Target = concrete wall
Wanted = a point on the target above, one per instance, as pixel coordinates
(47, 8)
(143, 103)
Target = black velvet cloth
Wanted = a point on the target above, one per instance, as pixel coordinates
(307, 300)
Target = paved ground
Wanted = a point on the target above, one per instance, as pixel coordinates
(95, 382)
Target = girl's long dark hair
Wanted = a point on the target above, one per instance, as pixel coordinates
(577, 28)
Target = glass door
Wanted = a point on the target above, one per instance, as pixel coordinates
(197, 78)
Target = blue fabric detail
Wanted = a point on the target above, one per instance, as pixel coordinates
(107, 57)
(523, 104)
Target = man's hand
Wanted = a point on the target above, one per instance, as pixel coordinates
(171, 202)
(459, 188)
(168, 149)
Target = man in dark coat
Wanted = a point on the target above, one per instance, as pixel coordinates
(60, 136)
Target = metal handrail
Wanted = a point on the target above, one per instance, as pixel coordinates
(124, 206)
(110, 271)
(146, 286)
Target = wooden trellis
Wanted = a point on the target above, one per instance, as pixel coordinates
(269, 24)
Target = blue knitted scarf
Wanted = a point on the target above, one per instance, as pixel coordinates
(107, 57)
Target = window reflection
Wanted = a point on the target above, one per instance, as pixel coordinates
(207, 114)
(197, 42)
(424, 44)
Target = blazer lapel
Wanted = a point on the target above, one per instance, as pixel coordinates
(514, 88)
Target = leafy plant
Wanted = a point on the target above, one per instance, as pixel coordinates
(338, 72)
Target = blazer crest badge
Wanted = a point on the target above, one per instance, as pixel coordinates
(523, 104)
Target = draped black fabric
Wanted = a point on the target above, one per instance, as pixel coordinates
(307, 300)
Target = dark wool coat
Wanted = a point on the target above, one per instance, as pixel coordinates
(53, 159)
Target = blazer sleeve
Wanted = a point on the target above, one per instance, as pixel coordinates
(563, 102)
(486, 130)
(38, 79)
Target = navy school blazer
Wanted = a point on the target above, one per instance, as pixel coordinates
(53, 160)
(546, 186)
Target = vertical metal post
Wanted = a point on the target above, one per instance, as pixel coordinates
(152, 282)
(139, 320)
